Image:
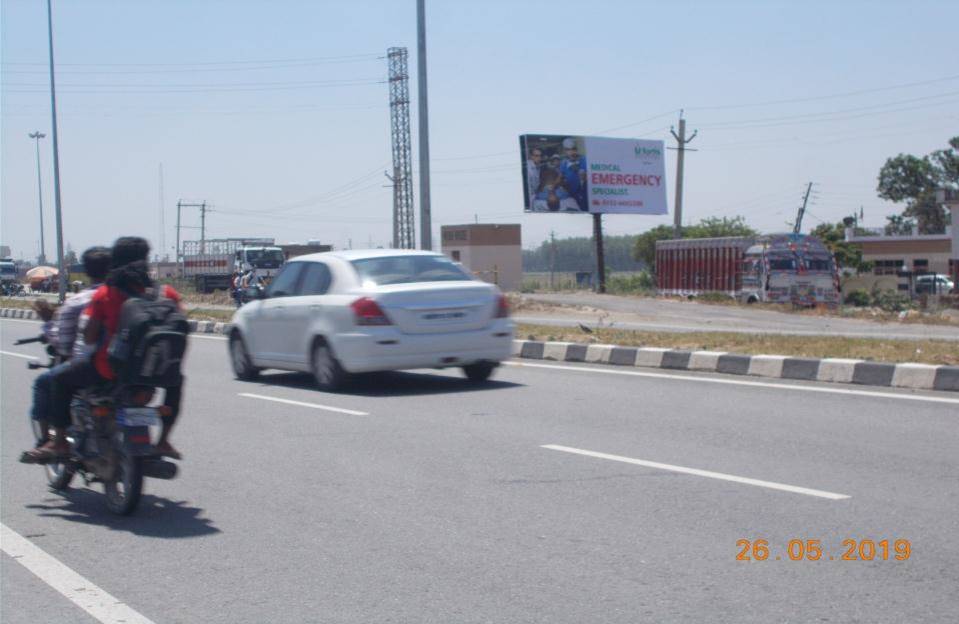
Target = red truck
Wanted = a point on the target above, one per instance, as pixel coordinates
(776, 268)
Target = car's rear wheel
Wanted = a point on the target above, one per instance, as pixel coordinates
(240, 359)
(329, 374)
(480, 371)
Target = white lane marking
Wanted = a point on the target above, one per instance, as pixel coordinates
(328, 408)
(738, 382)
(74, 587)
(19, 355)
(699, 473)
(19, 320)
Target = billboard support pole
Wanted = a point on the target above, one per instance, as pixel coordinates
(600, 254)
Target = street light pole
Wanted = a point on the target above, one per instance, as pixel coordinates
(426, 223)
(43, 249)
(62, 290)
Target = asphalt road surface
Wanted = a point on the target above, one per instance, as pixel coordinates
(656, 314)
(423, 498)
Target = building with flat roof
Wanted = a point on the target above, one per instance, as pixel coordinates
(492, 252)
(919, 253)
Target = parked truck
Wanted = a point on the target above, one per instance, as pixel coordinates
(777, 268)
(211, 263)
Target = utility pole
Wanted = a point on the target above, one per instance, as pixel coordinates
(426, 235)
(802, 210)
(600, 253)
(203, 228)
(42, 258)
(176, 257)
(681, 142)
(62, 290)
(162, 241)
(180, 205)
(552, 259)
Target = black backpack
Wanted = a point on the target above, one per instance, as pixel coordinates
(149, 342)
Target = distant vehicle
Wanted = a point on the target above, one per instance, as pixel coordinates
(343, 312)
(778, 268)
(8, 271)
(211, 263)
(934, 285)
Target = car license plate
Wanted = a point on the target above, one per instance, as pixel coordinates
(443, 315)
(138, 417)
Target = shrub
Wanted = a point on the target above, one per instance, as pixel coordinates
(715, 297)
(859, 298)
(891, 301)
(629, 284)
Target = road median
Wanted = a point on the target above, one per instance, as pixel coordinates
(912, 375)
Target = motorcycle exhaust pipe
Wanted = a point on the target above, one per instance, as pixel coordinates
(159, 469)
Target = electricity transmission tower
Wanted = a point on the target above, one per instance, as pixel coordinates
(403, 226)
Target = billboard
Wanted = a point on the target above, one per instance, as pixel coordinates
(564, 173)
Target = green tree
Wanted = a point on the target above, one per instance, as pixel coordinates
(914, 180)
(898, 225)
(847, 255)
(711, 227)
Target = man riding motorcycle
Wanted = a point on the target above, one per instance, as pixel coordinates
(128, 277)
(60, 330)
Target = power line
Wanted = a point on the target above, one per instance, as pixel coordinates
(834, 112)
(827, 97)
(370, 55)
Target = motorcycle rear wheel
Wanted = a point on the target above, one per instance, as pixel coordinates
(124, 489)
(59, 473)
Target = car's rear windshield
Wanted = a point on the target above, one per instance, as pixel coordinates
(408, 269)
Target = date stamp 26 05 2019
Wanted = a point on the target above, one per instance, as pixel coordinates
(812, 550)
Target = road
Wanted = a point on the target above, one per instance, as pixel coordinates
(655, 314)
(434, 500)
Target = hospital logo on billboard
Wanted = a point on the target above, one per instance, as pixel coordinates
(647, 153)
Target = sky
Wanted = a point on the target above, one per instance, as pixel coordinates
(276, 112)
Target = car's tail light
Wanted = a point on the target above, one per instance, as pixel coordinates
(502, 307)
(368, 312)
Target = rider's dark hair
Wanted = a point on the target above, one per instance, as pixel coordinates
(127, 249)
(96, 262)
(130, 270)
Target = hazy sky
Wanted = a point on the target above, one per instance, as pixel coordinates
(275, 112)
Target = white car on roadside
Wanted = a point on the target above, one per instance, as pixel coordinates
(342, 312)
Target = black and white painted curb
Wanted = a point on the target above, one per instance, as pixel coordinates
(200, 327)
(914, 376)
(836, 370)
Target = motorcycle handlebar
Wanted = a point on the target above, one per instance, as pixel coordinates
(24, 341)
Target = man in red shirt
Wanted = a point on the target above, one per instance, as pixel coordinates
(129, 276)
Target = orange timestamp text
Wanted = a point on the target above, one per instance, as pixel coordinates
(812, 550)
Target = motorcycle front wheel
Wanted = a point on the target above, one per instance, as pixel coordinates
(124, 489)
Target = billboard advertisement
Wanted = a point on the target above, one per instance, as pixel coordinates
(564, 173)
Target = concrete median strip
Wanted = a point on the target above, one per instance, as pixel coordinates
(835, 370)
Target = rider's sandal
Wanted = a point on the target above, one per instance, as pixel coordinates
(42, 455)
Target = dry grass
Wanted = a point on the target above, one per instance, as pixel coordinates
(923, 351)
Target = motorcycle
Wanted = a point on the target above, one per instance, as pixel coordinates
(13, 289)
(111, 437)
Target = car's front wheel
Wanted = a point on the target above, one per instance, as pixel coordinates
(240, 359)
(329, 374)
(480, 371)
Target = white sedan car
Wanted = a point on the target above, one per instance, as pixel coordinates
(342, 312)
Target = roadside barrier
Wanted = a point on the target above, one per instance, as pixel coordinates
(835, 370)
